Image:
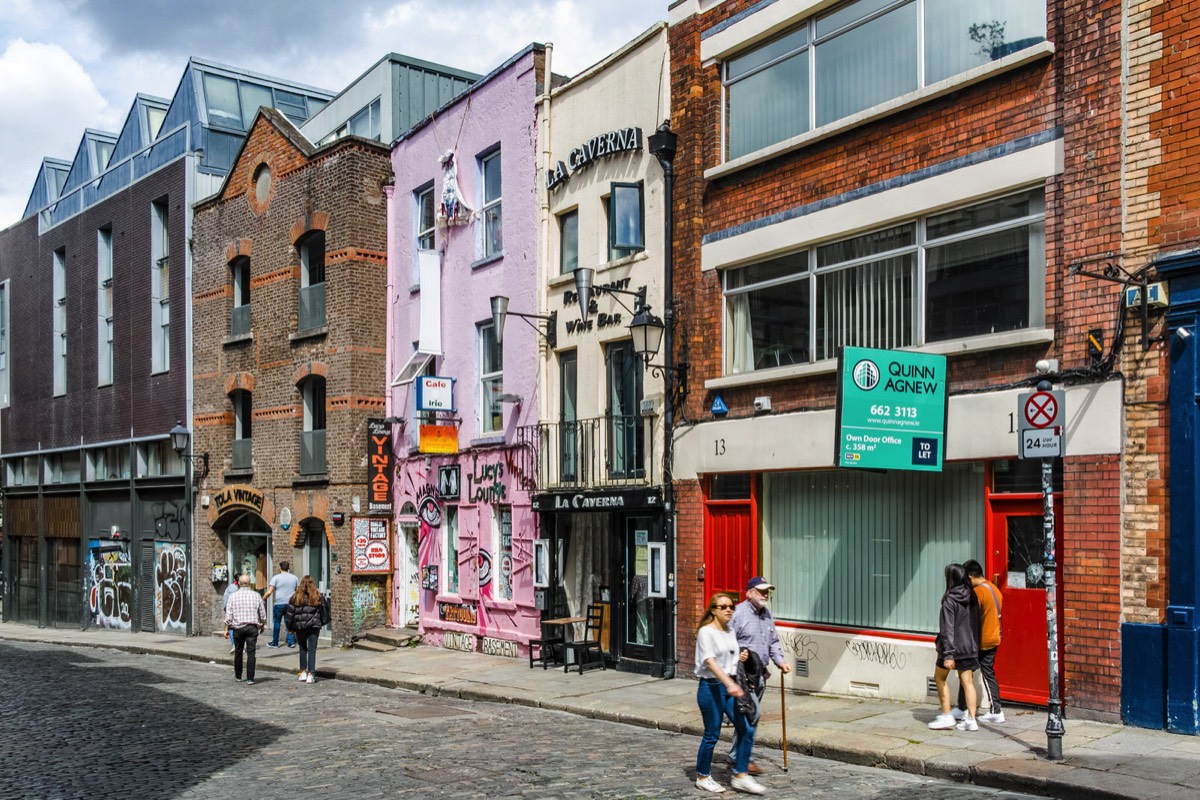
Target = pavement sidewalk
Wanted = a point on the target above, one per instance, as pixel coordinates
(1100, 760)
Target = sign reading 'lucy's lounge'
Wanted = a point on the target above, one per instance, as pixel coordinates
(606, 144)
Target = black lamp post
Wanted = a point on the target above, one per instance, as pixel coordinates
(181, 439)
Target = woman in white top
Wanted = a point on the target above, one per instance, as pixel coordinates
(717, 657)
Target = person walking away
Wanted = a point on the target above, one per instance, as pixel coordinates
(247, 618)
(717, 655)
(991, 604)
(755, 628)
(305, 616)
(957, 648)
(229, 590)
(283, 585)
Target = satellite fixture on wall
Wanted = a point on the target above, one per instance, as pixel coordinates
(285, 518)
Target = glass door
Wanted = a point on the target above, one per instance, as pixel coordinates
(639, 625)
(250, 550)
(316, 557)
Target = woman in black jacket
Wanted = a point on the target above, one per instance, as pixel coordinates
(957, 647)
(304, 618)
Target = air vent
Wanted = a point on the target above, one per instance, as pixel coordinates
(801, 667)
(931, 687)
(861, 688)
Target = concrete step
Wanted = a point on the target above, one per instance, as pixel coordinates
(395, 637)
(374, 647)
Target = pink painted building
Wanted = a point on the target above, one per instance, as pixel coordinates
(462, 229)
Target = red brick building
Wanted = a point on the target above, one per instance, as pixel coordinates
(927, 176)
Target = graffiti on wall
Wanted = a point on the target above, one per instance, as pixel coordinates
(885, 654)
(484, 562)
(110, 594)
(499, 647)
(367, 600)
(170, 587)
(461, 613)
(485, 483)
(453, 640)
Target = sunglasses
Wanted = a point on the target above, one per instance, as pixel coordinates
(725, 607)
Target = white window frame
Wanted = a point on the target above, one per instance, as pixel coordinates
(541, 563)
(491, 211)
(104, 307)
(484, 414)
(450, 556)
(656, 579)
(425, 236)
(160, 287)
(59, 311)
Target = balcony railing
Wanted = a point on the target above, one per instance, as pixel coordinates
(312, 453)
(589, 453)
(241, 454)
(312, 306)
(239, 320)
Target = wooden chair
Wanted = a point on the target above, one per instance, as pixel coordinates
(583, 649)
(550, 649)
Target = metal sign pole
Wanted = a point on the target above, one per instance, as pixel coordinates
(1054, 723)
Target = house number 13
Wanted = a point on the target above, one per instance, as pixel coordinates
(719, 447)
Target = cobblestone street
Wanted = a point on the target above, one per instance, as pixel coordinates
(98, 724)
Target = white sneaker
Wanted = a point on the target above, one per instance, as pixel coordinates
(303, 675)
(707, 783)
(957, 713)
(997, 718)
(310, 678)
(747, 784)
(968, 724)
(942, 722)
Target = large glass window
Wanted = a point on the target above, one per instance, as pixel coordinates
(625, 220)
(491, 380)
(867, 550)
(968, 272)
(493, 234)
(366, 122)
(862, 54)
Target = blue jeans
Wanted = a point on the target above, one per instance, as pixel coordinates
(308, 649)
(278, 618)
(715, 703)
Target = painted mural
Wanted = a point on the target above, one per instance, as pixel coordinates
(109, 591)
(170, 587)
(367, 601)
(491, 510)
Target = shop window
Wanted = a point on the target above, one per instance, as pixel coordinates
(626, 431)
(888, 535)
(312, 280)
(861, 55)
(493, 217)
(59, 311)
(104, 307)
(980, 267)
(250, 550)
(491, 380)
(450, 548)
(568, 242)
(626, 218)
(239, 315)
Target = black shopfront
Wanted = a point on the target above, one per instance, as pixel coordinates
(609, 547)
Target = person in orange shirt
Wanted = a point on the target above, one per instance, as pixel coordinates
(991, 602)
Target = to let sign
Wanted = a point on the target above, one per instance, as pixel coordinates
(1042, 416)
(379, 466)
(891, 409)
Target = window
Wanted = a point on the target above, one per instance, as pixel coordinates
(312, 439)
(239, 315)
(60, 322)
(568, 242)
(493, 238)
(366, 122)
(968, 272)
(160, 288)
(422, 417)
(104, 307)
(62, 467)
(157, 458)
(5, 381)
(502, 530)
(21, 471)
(232, 103)
(109, 463)
(862, 54)
(426, 222)
(154, 120)
(625, 218)
(569, 433)
(626, 433)
(450, 548)
(541, 563)
(222, 101)
(312, 280)
(491, 380)
(240, 454)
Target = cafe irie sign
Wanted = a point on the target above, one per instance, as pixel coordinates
(606, 144)
(891, 410)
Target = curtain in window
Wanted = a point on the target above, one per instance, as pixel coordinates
(867, 65)
(871, 305)
(867, 550)
(739, 343)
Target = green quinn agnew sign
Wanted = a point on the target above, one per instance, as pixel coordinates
(891, 409)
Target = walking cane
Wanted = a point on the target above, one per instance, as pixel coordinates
(783, 708)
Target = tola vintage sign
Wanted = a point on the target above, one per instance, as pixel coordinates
(606, 144)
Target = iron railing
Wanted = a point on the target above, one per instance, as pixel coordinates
(614, 450)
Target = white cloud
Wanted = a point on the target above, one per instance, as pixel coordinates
(48, 99)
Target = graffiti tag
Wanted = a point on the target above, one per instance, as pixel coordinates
(881, 653)
(170, 587)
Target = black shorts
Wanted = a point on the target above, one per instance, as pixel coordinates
(960, 664)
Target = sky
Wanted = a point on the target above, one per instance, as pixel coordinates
(66, 65)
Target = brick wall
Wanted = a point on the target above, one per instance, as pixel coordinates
(337, 188)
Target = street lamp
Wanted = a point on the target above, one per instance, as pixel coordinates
(584, 290)
(500, 312)
(180, 439)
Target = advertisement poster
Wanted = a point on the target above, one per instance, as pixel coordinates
(371, 547)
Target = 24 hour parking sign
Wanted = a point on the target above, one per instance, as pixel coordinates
(891, 409)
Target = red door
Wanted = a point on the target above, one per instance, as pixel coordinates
(730, 546)
(1016, 551)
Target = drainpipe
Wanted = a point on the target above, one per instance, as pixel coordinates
(543, 273)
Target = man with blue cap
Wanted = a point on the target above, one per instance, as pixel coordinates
(755, 628)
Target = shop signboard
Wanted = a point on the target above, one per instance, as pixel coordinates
(372, 553)
(379, 466)
(435, 393)
(438, 439)
(891, 409)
